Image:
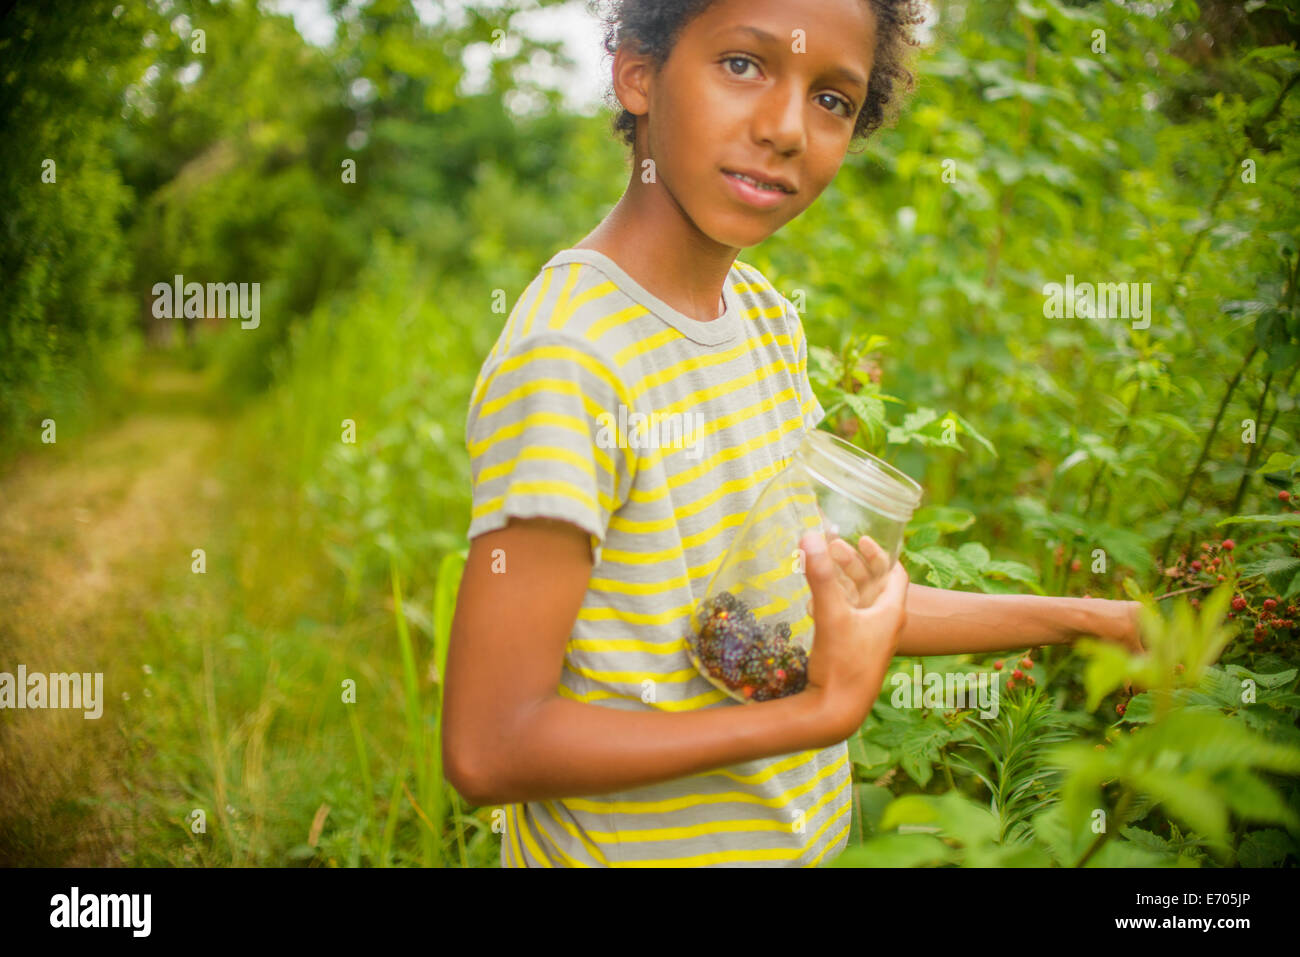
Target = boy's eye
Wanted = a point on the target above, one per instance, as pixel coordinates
(835, 100)
(738, 59)
(840, 101)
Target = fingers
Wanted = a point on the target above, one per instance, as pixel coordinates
(892, 598)
(1138, 646)
(829, 606)
(849, 570)
(867, 568)
(877, 561)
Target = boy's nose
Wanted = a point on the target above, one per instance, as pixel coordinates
(780, 118)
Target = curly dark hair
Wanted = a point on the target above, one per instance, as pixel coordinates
(654, 26)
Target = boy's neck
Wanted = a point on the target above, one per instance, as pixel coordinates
(650, 239)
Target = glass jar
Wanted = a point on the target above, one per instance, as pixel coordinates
(751, 633)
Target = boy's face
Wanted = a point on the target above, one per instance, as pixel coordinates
(780, 106)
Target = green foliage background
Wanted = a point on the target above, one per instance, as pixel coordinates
(1026, 154)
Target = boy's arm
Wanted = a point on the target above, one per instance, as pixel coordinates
(507, 736)
(945, 622)
(941, 621)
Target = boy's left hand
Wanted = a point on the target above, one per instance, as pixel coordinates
(863, 573)
(1121, 625)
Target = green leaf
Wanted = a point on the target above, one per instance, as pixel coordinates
(922, 537)
(973, 432)
(1293, 588)
(1063, 842)
(1152, 842)
(1123, 546)
(1277, 52)
(301, 852)
(943, 517)
(897, 850)
(1268, 847)
(1282, 356)
(1191, 797)
(450, 571)
(1253, 800)
(866, 754)
(957, 816)
(1130, 854)
(869, 409)
(1222, 688)
(915, 421)
(1269, 329)
(918, 769)
(1016, 571)
(1108, 667)
(1279, 462)
(945, 567)
(872, 801)
(996, 586)
(1269, 566)
(1268, 679)
(1287, 518)
(977, 557)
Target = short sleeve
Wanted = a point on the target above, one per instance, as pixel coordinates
(810, 408)
(543, 437)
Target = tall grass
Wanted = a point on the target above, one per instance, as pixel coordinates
(337, 562)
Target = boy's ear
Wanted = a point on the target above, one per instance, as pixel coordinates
(632, 77)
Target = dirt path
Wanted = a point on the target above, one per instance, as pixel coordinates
(88, 527)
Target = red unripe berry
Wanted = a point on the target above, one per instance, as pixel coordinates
(1196, 566)
(1030, 679)
(1017, 673)
(1011, 683)
(1284, 496)
(1238, 603)
(1220, 578)
(1270, 604)
(1121, 708)
(1027, 663)
(997, 666)
(1229, 544)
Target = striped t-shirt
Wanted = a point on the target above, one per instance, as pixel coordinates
(585, 355)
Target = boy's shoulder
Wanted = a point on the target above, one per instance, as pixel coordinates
(573, 299)
(763, 294)
(753, 281)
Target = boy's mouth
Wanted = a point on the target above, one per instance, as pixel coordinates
(758, 181)
(755, 192)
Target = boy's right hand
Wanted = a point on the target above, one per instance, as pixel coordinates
(852, 645)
